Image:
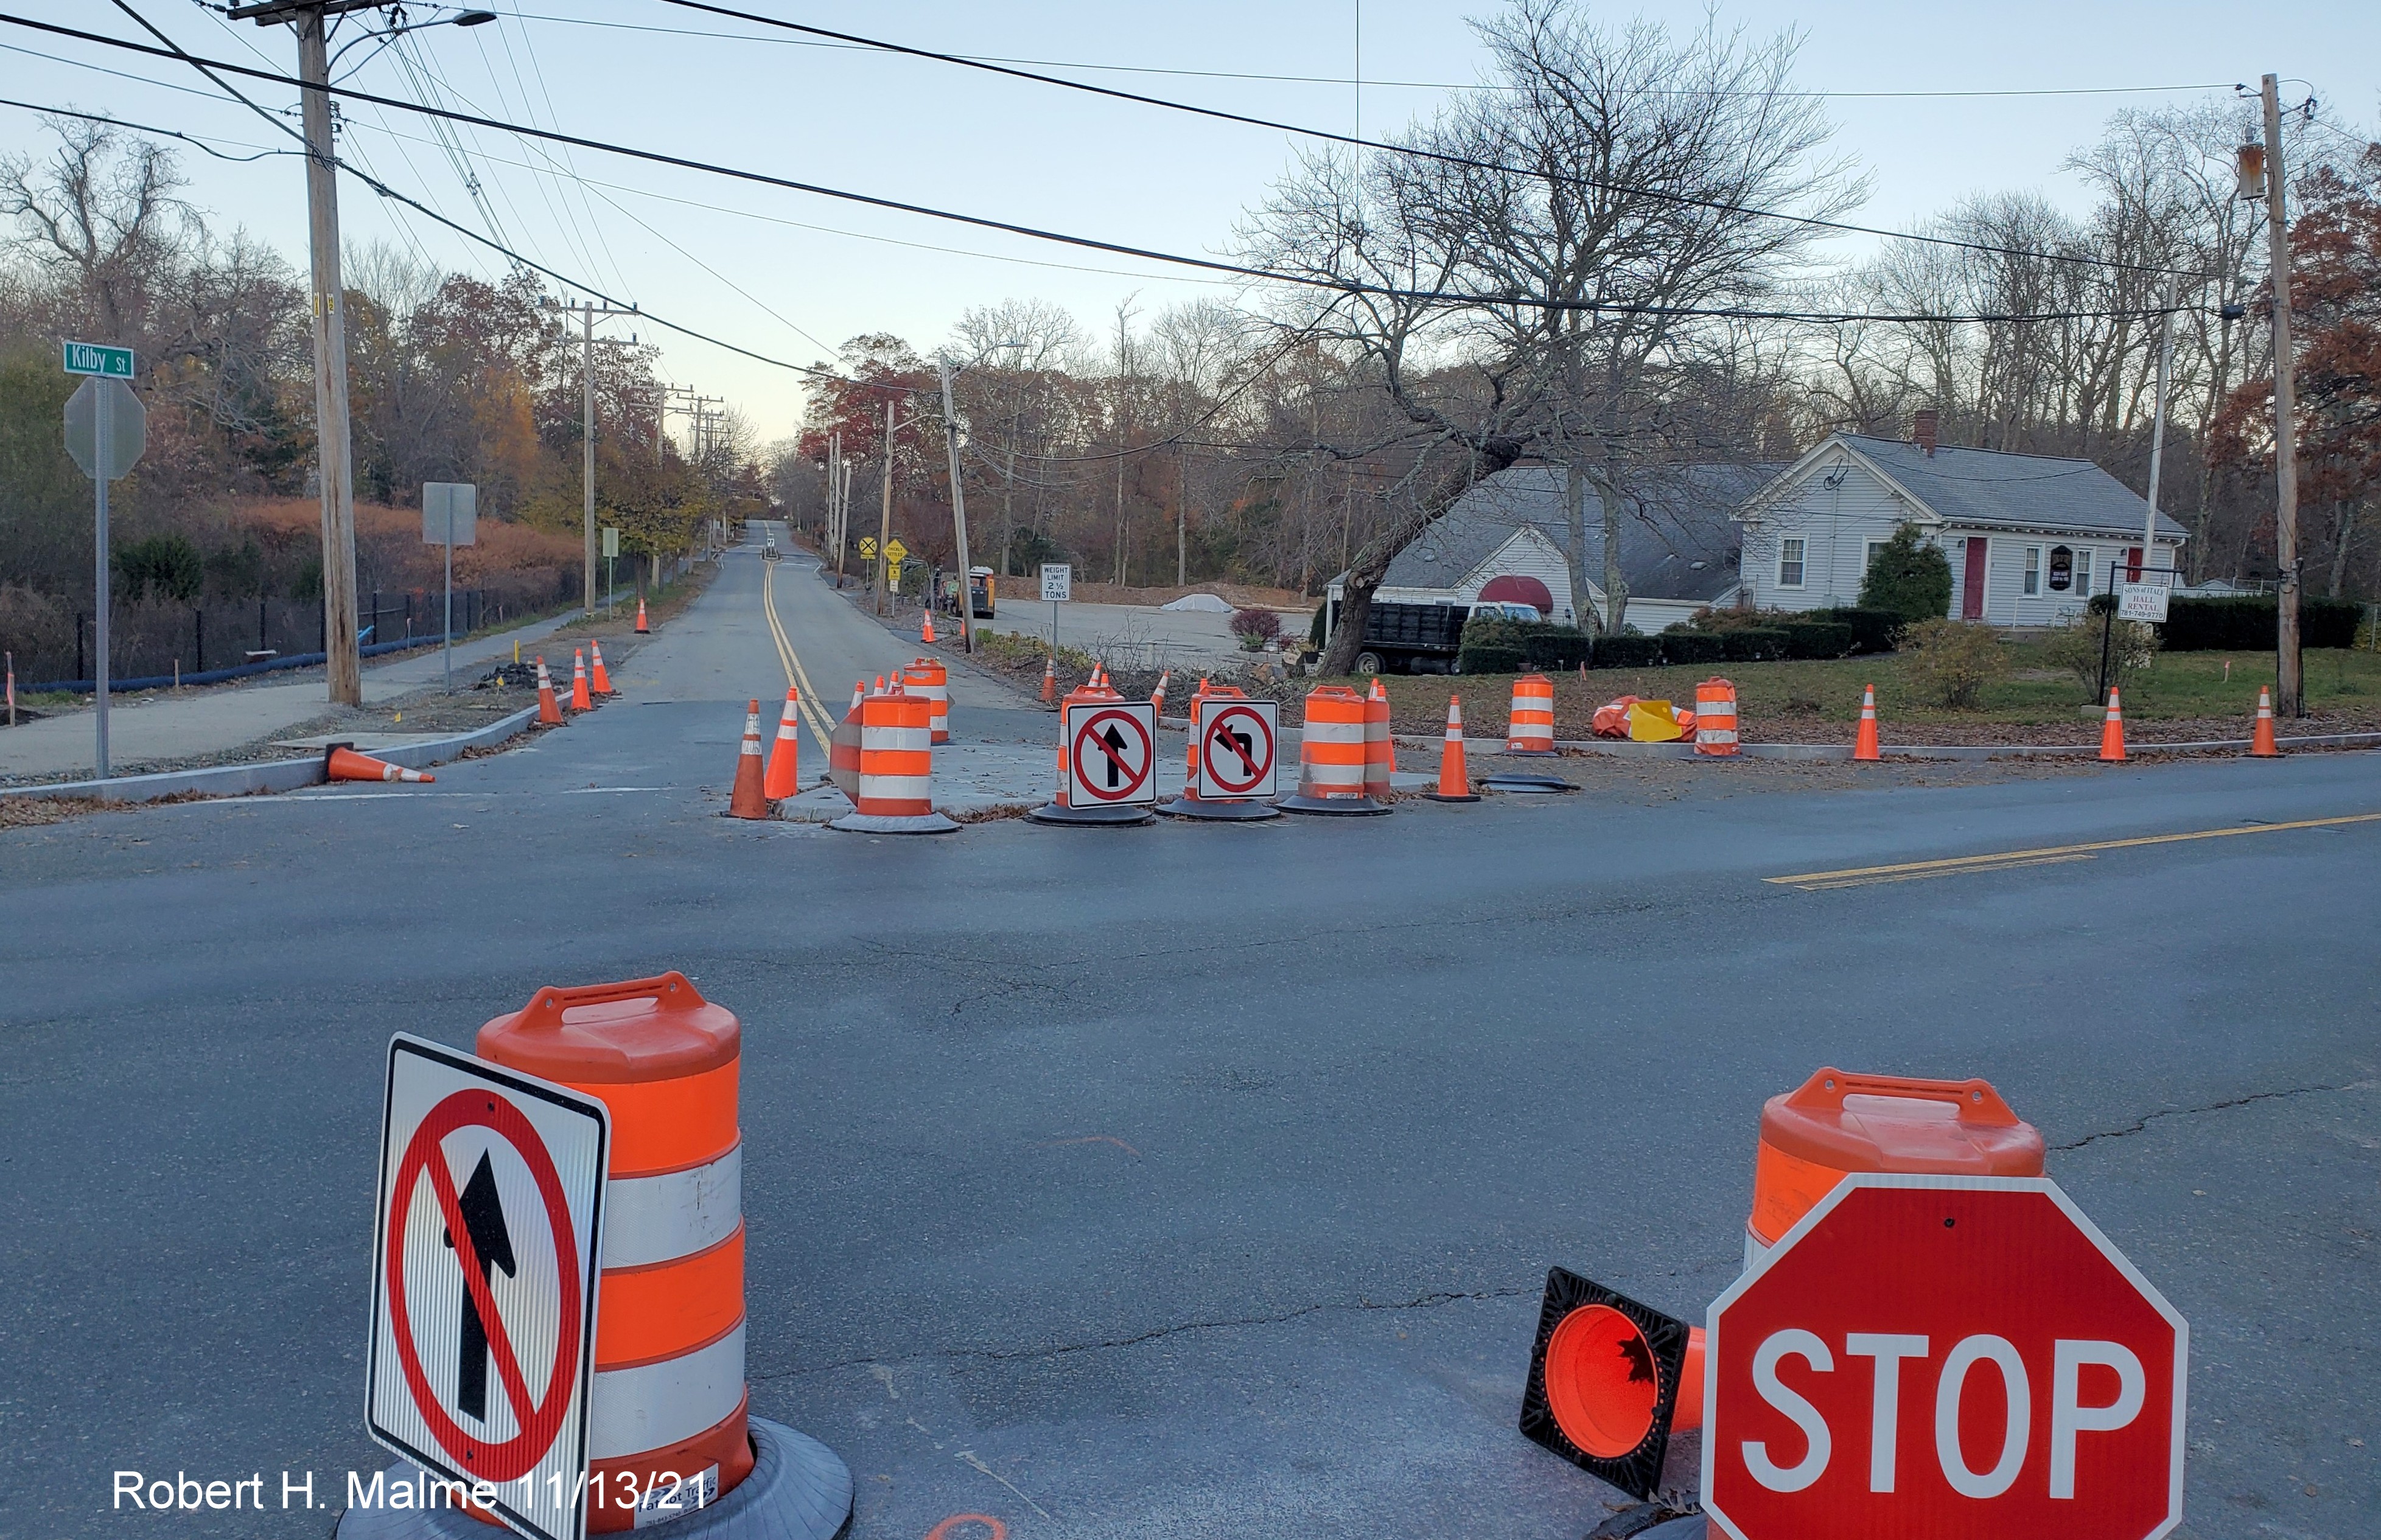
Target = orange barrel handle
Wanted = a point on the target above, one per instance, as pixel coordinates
(1977, 1101)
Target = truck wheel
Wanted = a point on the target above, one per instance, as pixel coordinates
(1368, 662)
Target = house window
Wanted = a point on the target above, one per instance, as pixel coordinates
(2062, 569)
(1789, 564)
(1868, 560)
(2032, 571)
(2083, 572)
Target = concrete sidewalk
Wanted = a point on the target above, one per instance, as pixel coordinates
(163, 725)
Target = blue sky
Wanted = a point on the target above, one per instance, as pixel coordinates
(814, 271)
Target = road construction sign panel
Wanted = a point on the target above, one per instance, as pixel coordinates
(1237, 755)
(485, 1259)
(1965, 1357)
(1112, 753)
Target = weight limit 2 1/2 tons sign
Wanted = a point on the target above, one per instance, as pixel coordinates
(486, 1256)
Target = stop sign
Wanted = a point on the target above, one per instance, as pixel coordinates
(1958, 1358)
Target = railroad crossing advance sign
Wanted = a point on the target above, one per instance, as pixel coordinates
(868, 548)
(1237, 748)
(1057, 582)
(1965, 1358)
(1111, 751)
(485, 1257)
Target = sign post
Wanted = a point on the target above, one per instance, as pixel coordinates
(1941, 1355)
(107, 429)
(486, 1255)
(1058, 588)
(450, 516)
(611, 555)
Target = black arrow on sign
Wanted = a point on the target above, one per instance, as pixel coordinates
(483, 1217)
(1114, 740)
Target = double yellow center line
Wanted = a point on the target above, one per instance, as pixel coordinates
(822, 727)
(1959, 865)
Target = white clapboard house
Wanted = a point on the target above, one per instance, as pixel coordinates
(2029, 538)
(1508, 538)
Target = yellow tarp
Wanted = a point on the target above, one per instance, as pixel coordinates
(1652, 721)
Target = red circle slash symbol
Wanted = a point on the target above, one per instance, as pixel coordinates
(1112, 755)
(1246, 742)
(540, 1419)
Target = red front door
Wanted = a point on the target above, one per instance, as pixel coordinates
(1971, 590)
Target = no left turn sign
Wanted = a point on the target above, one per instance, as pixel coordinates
(1237, 748)
(1111, 749)
(485, 1259)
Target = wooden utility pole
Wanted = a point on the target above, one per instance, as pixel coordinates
(885, 515)
(588, 312)
(2289, 696)
(958, 517)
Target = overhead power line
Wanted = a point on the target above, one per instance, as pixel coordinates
(1359, 142)
(191, 139)
(1339, 286)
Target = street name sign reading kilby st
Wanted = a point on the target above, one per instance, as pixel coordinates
(1112, 751)
(1960, 1358)
(1237, 750)
(485, 1258)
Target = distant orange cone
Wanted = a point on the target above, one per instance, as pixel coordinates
(858, 694)
(641, 629)
(748, 800)
(1050, 680)
(880, 685)
(1864, 744)
(1454, 772)
(2112, 732)
(785, 777)
(342, 763)
(596, 668)
(926, 631)
(2260, 743)
(549, 711)
(1157, 696)
(580, 700)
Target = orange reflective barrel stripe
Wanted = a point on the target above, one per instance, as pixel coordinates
(648, 1313)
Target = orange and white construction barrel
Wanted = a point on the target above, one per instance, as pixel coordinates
(931, 678)
(1332, 756)
(1716, 717)
(884, 758)
(1531, 727)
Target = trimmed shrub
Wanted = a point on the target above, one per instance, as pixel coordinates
(1563, 648)
(1952, 661)
(1908, 577)
(2247, 624)
(1488, 657)
(1753, 647)
(1873, 630)
(1694, 648)
(1627, 652)
(1816, 639)
(1709, 619)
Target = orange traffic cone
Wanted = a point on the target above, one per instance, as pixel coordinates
(2262, 743)
(1864, 744)
(343, 763)
(641, 627)
(1050, 680)
(785, 756)
(580, 700)
(602, 680)
(880, 685)
(1157, 696)
(2112, 732)
(1454, 774)
(926, 631)
(549, 713)
(858, 694)
(749, 800)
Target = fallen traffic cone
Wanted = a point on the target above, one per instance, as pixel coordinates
(748, 800)
(1050, 679)
(602, 680)
(342, 763)
(641, 629)
(1454, 772)
(580, 700)
(1610, 1381)
(2262, 743)
(926, 631)
(549, 713)
(1864, 746)
(2112, 732)
(1157, 696)
(785, 756)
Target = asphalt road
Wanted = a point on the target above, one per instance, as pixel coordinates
(1173, 1180)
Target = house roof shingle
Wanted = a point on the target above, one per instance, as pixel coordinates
(1991, 489)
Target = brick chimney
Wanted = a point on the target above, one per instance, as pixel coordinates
(1921, 429)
